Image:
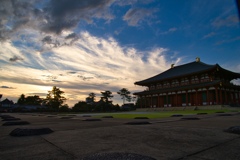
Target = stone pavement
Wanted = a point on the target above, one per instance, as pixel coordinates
(167, 138)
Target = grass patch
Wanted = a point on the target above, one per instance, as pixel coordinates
(158, 114)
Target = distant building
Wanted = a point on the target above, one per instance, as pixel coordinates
(6, 103)
(191, 84)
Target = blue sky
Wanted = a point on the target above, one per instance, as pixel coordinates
(92, 46)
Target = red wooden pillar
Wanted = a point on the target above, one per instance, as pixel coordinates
(238, 97)
(160, 99)
(200, 98)
(226, 96)
(221, 99)
(176, 99)
(216, 92)
(151, 101)
(146, 101)
(160, 102)
(141, 101)
(156, 100)
(167, 98)
(234, 96)
(207, 96)
(196, 99)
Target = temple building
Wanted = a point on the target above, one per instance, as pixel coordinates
(191, 84)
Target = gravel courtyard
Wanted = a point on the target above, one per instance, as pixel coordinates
(199, 137)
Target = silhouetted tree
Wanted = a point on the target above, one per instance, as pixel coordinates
(64, 108)
(106, 95)
(81, 106)
(91, 97)
(33, 100)
(54, 98)
(125, 94)
(21, 100)
(29, 100)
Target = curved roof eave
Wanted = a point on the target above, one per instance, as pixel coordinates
(178, 71)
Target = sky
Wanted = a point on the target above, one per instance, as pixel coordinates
(84, 46)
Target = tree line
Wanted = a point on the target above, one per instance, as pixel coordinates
(54, 101)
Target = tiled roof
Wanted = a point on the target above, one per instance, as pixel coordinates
(184, 70)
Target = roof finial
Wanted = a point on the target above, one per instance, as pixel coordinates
(172, 65)
(197, 59)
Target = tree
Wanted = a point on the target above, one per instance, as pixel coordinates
(125, 94)
(64, 108)
(106, 95)
(54, 98)
(29, 100)
(21, 100)
(81, 106)
(91, 97)
(33, 100)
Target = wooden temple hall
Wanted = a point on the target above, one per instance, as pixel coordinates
(191, 84)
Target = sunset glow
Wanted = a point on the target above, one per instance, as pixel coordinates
(109, 45)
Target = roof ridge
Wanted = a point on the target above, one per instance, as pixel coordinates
(184, 69)
(195, 62)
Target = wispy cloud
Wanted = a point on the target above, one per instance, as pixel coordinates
(135, 16)
(93, 64)
(132, 2)
(170, 30)
(15, 58)
(231, 20)
(7, 87)
(228, 40)
(209, 35)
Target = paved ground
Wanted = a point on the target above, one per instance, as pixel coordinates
(168, 138)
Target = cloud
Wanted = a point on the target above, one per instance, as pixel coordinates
(132, 2)
(170, 30)
(209, 35)
(134, 16)
(47, 39)
(52, 43)
(72, 72)
(229, 21)
(93, 64)
(6, 87)
(71, 36)
(228, 40)
(14, 16)
(66, 14)
(15, 58)
(51, 17)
